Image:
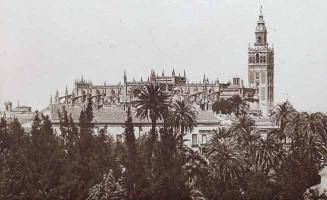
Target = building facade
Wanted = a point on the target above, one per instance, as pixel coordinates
(203, 93)
(24, 114)
(261, 67)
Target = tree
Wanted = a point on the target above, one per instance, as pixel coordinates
(225, 159)
(234, 104)
(45, 160)
(196, 167)
(152, 103)
(108, 189)
(282, 114)
(223, 106)
(304, 149)
(13, 160)
(237, 104)
(268, 153)
(182, 116)
(135, 173)
(243, 123)
(169, 180)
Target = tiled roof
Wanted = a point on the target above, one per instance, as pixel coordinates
(117, 115)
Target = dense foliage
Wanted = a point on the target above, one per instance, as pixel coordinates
(239, 163)
(231, 105)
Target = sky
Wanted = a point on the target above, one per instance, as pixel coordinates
(45, 44)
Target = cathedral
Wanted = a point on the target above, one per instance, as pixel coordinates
(259, 94)
(110, 101)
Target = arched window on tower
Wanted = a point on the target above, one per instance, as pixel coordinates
(257, 58)
(259, 39)
(264, 59)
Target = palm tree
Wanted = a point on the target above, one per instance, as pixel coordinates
(225, 160)
(268, 153)
(282, 113)
(243, 123)
(222, 132)
(182, 116)
(316, 124)
(306, 133)
(247, 137)
(152, 103)
(195, 166)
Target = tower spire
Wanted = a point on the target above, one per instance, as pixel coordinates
(261, 31)
(125, 77)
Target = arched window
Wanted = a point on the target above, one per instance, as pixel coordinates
(259, 39)
(264, 59)
(257, 58)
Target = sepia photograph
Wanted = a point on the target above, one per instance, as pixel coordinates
(163, 100)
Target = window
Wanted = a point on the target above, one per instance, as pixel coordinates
(204, 138)
(257, 58)
(257, 75)
(194, 139)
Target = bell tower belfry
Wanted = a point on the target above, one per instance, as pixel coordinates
(261, 67)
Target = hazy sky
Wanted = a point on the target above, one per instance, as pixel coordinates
(47, 44)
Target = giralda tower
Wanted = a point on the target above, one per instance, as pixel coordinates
(261, 67)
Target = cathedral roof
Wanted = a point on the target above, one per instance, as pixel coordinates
(116, 114)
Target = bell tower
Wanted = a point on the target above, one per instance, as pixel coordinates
(261, 67)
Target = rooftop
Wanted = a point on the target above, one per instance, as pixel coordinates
(117, 115)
